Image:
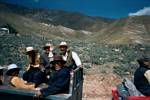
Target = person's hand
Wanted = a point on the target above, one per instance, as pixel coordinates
(43, 85)
(37, 94)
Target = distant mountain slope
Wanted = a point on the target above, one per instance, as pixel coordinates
(126, 30)
(72, 20)
(75, 21)
(27, 26)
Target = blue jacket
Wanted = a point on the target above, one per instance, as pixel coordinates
(44, 60)
(58, 83)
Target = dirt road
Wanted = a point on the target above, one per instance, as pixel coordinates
(97, 85)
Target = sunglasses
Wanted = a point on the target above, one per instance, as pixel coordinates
(57, 63)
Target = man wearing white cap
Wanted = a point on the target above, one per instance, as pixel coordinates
(72, 59)
(12, 78)
(47, 56)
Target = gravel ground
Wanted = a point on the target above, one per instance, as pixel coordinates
(98, 86)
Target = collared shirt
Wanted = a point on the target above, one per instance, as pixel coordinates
(75, 57)
(147, 75)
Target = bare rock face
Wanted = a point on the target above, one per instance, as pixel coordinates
(126, 30)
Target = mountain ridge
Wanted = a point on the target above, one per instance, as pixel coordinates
(76, 21)
(127, 30)
(61, 24)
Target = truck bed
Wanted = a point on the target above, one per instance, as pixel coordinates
(75, 92)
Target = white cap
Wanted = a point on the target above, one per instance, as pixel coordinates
(29, 49)
(63, 44)
(48, 45)
(12, 66)
(1, 67)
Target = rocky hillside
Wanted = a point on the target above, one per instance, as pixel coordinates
(126, 30)
(32, 30)
(31, 27)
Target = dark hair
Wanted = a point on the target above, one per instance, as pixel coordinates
(140, 62)
(1, 71)
(33, 56)
(46, 47)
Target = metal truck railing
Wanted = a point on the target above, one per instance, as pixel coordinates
(75, 92)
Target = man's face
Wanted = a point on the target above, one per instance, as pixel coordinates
(57, 65)
(63, 49)
(47, 50)
(147, 63)
(30, 53)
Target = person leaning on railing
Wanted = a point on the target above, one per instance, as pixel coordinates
(72, 59)
(58, 82)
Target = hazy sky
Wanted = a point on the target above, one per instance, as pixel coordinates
(103, 8)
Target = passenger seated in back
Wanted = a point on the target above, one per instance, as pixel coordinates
(45, 66)
(33, 66)
(72, 59)
(59, 81)
(142, 76)
(12, 78)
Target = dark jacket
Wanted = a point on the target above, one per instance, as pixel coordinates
(141, 82)
(44, 60)
(45, 67)
(58, 83)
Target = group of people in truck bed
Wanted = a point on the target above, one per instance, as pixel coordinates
(48, 73)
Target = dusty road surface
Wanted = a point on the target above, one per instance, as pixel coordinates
(97, 85)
